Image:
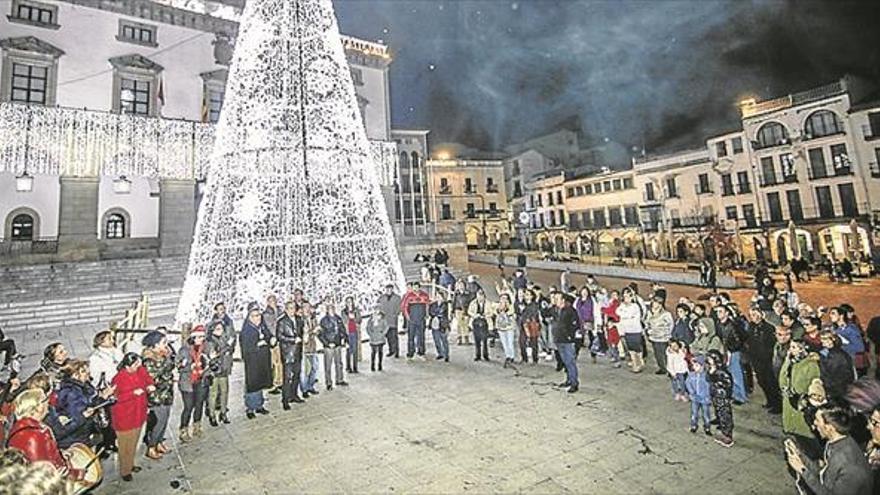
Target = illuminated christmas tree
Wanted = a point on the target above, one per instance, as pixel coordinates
(292, 198)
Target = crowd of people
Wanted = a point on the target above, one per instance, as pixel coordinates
(809, 362)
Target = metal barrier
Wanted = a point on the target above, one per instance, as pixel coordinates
(135, 320)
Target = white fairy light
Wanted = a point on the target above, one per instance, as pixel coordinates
(293, 199)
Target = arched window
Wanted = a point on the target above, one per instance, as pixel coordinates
(22, 227)
(772, 134)
(822, 123)
(404, 159)
(114, 227)
(415, 159)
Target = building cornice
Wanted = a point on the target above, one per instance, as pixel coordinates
(166, 14)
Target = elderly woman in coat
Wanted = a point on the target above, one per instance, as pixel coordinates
(256, 342)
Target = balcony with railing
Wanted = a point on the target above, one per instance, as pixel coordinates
(470, 189)
(727, 190)
(822, 213)
(744, 188)
(492, 188)
(444, 190)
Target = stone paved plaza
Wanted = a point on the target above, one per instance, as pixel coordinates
(433, 427)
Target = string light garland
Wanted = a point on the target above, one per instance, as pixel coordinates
(293, 199)
(86, 143)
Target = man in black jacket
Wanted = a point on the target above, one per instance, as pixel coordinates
(333, 336)
(289, 334)
(565, 326)
(760, 341)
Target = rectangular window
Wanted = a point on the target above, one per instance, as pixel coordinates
(775, 207)
(470, 211)
(574, 221)
(789, 171)
(551, 219)
(137, 33)
(627, 183)
(586, 219)
(560, 215)
(599, 218)
(826, 204)
(493, 209)
(134, 96)
(550, 199)
(726, 185)
(730, 212)
(737, 145)
(617, 184)
(34, 13)
(516, 167)
(768, 171)
(606, 185)
(721, 148)
(840, 159)
(29, 83)
(848, 200)
(817, 163)
(569, 192)
(649, 191)
(795, 209)
(559, 197)
(671, 189)
(215, 103)
(517, 189)
(749, 216)
(873, 130)
(540, 200)
(742, 178)
(588, 189)
(445, 212)
(631, 215)
(614, 217)
(469, 186)
(703, 185)
(357, 76)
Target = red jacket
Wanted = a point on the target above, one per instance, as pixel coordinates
(130, 410)
(36, 441)
(414, 297)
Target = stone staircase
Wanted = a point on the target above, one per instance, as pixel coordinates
(46, 299)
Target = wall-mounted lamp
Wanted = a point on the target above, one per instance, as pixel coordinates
(121, 185)
(24, 182)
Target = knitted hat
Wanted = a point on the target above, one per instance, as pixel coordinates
(152, 338)
(197, 331)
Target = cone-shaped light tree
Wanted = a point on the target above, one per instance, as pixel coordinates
(292, 198)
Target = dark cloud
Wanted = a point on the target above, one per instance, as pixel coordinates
(664, 73)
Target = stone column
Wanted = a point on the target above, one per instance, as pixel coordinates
(177, 216)
(78, 219)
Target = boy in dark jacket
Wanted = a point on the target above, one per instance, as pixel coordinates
(721, 390)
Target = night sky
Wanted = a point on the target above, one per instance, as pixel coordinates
(663, 73)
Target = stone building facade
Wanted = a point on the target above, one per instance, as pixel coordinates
(104, 146)
(800, 179)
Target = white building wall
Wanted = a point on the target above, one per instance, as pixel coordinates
(88, 38)
(378, 111)
(140, 205)
(43, 199)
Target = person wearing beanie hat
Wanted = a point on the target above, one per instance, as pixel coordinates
(697, 386)
(159, 364)
(706, 338)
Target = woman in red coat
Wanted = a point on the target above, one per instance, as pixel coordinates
(33, 437)
(129, 413)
